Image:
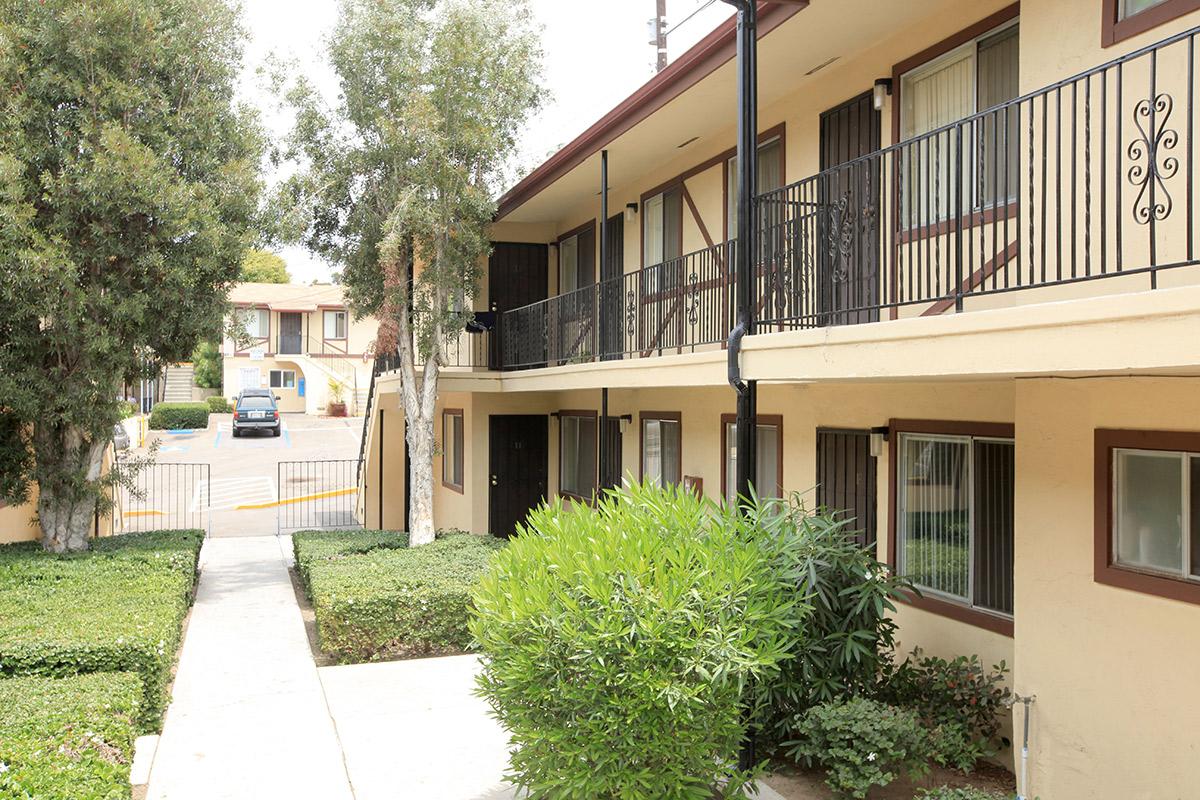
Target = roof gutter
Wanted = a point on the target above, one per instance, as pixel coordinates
(710, 53)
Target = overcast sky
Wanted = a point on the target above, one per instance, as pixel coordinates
(597, 53)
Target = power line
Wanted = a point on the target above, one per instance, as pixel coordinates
(677, 25)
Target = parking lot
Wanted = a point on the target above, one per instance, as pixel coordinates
(246, 486)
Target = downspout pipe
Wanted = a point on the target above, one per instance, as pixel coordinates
(601, 450)
(743, 263)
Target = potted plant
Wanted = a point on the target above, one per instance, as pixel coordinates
(337, 398)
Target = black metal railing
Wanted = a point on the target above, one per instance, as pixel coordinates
(161, 496)
(672, 307)
(315, 495)
(1091, 177)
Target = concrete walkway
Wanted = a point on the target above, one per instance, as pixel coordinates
(248, 718)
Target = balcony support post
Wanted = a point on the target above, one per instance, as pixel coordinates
(745, 249)
(597, 295)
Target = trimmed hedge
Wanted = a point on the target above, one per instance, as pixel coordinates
(179, 416)
(68, 738)
(218, 405)
(118, 608)
(377, 599)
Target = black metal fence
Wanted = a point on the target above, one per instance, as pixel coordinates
(163, 497)
(317, 495)
(672, 307)
(1089, 178)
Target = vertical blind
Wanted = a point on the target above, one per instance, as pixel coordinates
(660, 451)
(577, 455)
(766, 462)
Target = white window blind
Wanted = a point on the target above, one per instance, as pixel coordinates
(335, 324)
(568, 265)
(258, 323)
(767, 467)
(1157, 524)
(660, 451)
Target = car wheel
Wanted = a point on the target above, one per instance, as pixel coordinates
(237, 434)
(277, 430)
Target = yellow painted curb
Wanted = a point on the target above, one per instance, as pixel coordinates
(150, 513)
(301, 499)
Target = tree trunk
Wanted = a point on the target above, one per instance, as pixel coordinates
(69, 464)
(420, 454)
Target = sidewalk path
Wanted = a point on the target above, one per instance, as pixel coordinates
(248, 718)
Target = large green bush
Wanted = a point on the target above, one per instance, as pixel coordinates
(861, 743)
(376, 599)
(68, 738)
(620, 642)
(850, 634)
(218, 405)
(117, 608)
(179, 416)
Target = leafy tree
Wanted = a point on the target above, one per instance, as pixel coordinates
(128, 187)
(398, 179)
(208, 367)
(261, 266)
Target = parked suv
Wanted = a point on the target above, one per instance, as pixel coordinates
(255, 412)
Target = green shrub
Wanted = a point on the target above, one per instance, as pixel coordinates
(958, 693)
(861, 743)
(962, 793)
(178, 416)
(68, 738)
(218, 405)
(118, 608)
(309, 547)
(849, 637)
(619, 642)
(376, 599)
(128, 408)
(208, 366)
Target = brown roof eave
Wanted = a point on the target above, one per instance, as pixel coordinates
(686, 71)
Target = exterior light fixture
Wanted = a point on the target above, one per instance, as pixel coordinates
(631, 210)
(879, 437)
(882, 89)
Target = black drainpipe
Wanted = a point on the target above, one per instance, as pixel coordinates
(598, 330)
(744, 249)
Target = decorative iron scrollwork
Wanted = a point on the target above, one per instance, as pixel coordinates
(693, 298)
(630, 313)
(1152, 168)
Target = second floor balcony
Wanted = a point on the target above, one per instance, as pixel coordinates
(1081, 188)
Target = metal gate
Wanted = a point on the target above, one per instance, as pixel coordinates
(163, 497)
(315, 495)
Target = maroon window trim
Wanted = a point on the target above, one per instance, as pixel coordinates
(1113, 30)
(583, 414)
(934, 605)
(1107, 571)
(461, 451)
(669, 416)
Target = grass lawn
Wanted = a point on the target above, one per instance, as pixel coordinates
(375, 599)
(68, 738)
(118, 608)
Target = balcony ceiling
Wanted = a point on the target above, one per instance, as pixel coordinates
(826, 29)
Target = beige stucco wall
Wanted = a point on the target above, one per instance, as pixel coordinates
(1114, 670)
(17, 523)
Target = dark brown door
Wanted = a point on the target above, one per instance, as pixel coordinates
(612, 289)
(291, 332)
(518, 456)
(517, 276)
(849, 195)
(846, 480)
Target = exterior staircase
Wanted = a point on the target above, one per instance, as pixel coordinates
(360, 400)
(178, 385)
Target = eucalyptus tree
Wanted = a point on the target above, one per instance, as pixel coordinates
(128, 192)
(397, 179)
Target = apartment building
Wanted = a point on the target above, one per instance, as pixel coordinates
(978, 336)
(297, 339)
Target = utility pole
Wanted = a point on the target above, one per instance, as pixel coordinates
(659, 33)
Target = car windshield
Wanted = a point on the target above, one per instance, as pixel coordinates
(255, 403)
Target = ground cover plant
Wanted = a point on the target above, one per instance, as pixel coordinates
(620, 643)
(119, 607)
(179, 416)
(377, 599)
(68, 738)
